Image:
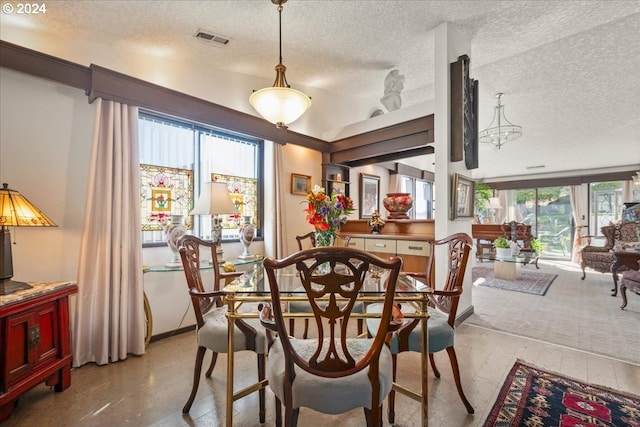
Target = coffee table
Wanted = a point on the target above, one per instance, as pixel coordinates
(508, 268)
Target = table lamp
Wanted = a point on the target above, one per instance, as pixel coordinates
(494, 204)
(215, 200)
(17, 211)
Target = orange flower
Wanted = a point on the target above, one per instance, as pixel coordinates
(327, 213)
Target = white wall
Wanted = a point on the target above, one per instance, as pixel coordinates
(45, 146)
(232, 90)
(302, 161)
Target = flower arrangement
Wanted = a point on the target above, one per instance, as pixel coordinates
(327, 213)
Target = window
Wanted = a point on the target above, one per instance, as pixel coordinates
(605, 204)
(548, 211)
(422, 193)
(179, 152)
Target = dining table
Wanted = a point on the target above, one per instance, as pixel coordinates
(253, 287)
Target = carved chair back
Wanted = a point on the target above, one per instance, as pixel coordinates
(332, 295)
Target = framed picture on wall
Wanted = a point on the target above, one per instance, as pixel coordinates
(369, 195)
(337, 187)
(462, 197)
(300, 184)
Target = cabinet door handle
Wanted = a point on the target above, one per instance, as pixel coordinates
(380, 245)
(415, 248)
(34, 336)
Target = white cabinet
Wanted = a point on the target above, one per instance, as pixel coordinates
(386, 246)
(414, 253)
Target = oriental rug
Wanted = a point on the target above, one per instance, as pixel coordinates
(534, 397)
(530, 281)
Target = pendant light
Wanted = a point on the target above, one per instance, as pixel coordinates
(280, 104)
(501, 130)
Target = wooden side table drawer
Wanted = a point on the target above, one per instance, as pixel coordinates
(413, 247)
(380, 246)
(356, 243)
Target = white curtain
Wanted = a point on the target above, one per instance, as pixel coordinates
(281, 248)
(109, 318)
(502, 214)
(575, 197)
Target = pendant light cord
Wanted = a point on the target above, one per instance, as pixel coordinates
(280, 29)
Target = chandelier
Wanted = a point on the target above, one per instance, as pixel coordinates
(280, 104)
(501, 130)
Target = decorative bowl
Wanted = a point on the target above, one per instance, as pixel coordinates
(398, 204)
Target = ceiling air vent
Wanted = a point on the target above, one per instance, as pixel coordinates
(210, 37)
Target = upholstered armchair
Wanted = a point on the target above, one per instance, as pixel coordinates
(600, 258)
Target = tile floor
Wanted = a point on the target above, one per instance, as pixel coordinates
(151, 390)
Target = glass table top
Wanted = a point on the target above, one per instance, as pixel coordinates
(255, 282)
(205, 265)
(523, 257)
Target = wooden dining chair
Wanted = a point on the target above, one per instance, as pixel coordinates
(211, 321)
(441, 323)
(310, 237)
(303, 307)
(331, 373)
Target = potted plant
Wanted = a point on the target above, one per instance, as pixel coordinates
(538, 246)
(503, 247)
(482, 192)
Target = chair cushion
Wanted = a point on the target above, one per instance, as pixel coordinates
(599, 261)
(213, 334)
(632, 277)
(441, 335)
(328, 395)
(623, 245)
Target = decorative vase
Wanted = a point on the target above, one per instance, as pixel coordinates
(173, 231)
(503, 253)
(375, 223)
(247, 231)
(398, 204)
(324, 238)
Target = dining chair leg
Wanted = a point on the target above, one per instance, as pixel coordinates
(373, 418)
(392, 393)
(278, 413)
(436, 373)
(196, 379)
(291, 416)
(292, 326)
(212, 365)
(456, 376)
(262, 361)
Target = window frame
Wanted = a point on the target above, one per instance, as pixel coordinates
(199, 132)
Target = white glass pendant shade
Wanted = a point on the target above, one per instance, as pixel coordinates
(280, 105)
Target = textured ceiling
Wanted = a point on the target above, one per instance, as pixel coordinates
(570, 69)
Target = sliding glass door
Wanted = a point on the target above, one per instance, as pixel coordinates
(548, 211)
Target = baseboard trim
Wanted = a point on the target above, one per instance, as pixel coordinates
(172, 333)
(464, 315)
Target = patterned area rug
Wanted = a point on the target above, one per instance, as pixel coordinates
(534, 397)
(529, 282)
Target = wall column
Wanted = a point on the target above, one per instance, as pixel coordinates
(449, 45)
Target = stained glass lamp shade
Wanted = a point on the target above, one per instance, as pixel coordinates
(17, 211)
